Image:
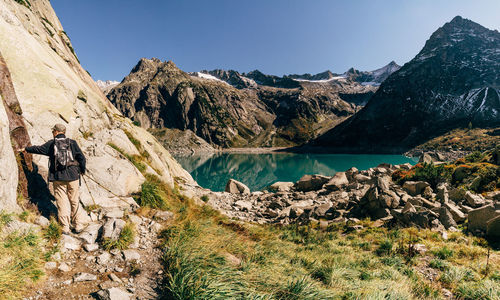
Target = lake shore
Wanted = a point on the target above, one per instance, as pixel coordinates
(258, 150)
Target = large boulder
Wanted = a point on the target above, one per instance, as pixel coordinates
(281, 186)
(338, 181)
(311, 183)
(493, 228)
(415, 187)
(457, 214)
(8, 171)
(236, 187)
(479, 217)
(446, 218)
(474, 200)
(113, 294)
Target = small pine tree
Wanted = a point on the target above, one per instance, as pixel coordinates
(470, 125)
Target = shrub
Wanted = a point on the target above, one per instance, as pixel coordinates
(137, 123)
(384, 248)
(475, 156)
(154, 193)
(438, 264)
(300, 289)
(205, 198)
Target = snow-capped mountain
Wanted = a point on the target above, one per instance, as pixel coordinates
(107, 85)
(375, 77)
(453, 81)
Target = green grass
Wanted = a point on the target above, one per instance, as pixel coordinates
(25, 3)
(54, 231)
(125, 239)
(136, 160)
(303, 262)
(21, 260)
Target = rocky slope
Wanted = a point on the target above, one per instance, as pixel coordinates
(43, 84)
(452, 82)
(107, 85)
(230, 109)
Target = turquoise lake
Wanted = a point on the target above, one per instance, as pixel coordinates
(258, 171)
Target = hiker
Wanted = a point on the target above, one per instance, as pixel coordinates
(66, 163)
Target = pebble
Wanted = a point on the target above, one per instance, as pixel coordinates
(64, 267)
(130, 255)
(115, 278)
(50, 265)
(90, 247)
(79, 277)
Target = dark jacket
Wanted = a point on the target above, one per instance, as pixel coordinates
(68, 174)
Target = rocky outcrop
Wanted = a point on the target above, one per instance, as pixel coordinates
(51, 87)
(229, 109)
(451, 83)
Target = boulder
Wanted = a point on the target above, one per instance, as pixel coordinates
(384, 182)
(243, 205)
(494, 195)
(457, 214)
(446, 218)
(493, 227)
(474, 200)
(113, 293)
(90, 233)
(80, 277)
(112, 228)
(479, 217)
(281, 186)
(164, 215)
(236, 187)
(389, 199)
(427, 193)
(338, 181)
(322, 210)
(361, 178)
(42, 221)
(415, 187)
(457, 194)
(425, 158)
(70, 243)
(311, 183)
(351, 173)
(442, 194)
(408, 208)
(130, 255)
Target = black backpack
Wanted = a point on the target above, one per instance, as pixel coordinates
(63, 155)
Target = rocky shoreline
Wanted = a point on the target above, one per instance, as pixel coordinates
(353, 195)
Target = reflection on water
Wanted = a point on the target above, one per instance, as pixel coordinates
(258, 171)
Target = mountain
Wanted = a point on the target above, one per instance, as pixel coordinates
(229, 109)
(452, 82)
(43, 83)
(107, 85)
(375, 77)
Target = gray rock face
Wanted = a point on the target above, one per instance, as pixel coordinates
(236, 187)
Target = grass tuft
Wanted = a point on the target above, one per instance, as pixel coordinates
(125, 239)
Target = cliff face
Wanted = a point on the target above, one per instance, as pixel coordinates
(50, 86)
(229, 109)
(453, 81)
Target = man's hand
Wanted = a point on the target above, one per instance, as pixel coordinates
(21, 150)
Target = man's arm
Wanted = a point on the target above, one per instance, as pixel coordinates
(79, 157)
(43, 149)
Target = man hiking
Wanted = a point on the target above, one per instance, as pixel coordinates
(66, 163)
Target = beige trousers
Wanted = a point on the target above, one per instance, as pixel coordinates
(67, 202)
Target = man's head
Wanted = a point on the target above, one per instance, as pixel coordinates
(58, 129)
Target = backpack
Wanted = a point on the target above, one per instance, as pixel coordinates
(63, 155)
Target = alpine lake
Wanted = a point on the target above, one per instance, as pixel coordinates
(258, 171)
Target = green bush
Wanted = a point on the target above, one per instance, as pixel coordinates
(53, 231)
(384, 248)
(443, 253)
(430, 173)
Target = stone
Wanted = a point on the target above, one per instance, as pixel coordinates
(243, 205)
(474, 200)
(351, 173)
(321, 210)
(236, 187)
(135, 219)
(235, 261)
(361, 178)
(389, 199)
(384, 182)
(42, 221)
(446, 218)
(112, 228)
(90, 247)
(420, 248)
(104, 258)
(414, 188)
(63, 267)
(70, 243)
(430, 204)
(50, 265)
(479, 217)
(442, 194)
(119, 224)
(427, 193)
(493, 195)
(80, 277)
(425, 158)
(337, 182)
(164, 215)
(90, 233)
(114, 278)
(113, 293)
(311, 183)
(409, 208)
(281, 186)
(113, 212)
(130, 255)
(493, 227)
(457, 214)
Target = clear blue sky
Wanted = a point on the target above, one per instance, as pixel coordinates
(275, 36)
